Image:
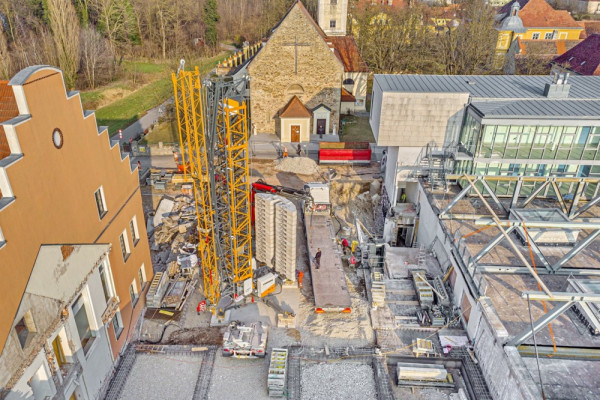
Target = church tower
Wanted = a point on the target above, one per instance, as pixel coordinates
(332, 16)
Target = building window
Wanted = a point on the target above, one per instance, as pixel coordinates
(548, 35)
(2, 240)
(86, 335)
(125, 250)
(133, 229)
(142, 277)
(106, 279)
(25, 329)
(333, 2)
(332, 23)
(117, 322)
(100, 202)
(133, 293)
(59, 354)
(535, 35)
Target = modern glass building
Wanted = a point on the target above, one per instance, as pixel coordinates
(531, 138)
(491, 125)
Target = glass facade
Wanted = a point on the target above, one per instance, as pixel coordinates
(530, 150)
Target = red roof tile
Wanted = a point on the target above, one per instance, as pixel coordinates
(347, 96)
(584, 58)
(347, 51)
(590, 28)
(295, 109)
(539, 14)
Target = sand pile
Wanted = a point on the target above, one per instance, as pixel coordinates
(296, 165)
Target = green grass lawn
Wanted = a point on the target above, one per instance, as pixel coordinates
(356, 129)
(165, 132)
(125, 111)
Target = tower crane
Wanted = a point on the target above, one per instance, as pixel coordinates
(212, 119)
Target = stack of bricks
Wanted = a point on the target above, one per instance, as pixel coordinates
(286, 221)
(264, 227)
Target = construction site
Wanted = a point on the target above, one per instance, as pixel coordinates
(271, 278)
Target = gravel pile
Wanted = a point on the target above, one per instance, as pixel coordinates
(346, 381)
(160, 377)
(239, 379)
(296, 165)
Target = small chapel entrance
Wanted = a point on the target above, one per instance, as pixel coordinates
(321, 126)
(295, 130)
(294, 122)
(321, 115)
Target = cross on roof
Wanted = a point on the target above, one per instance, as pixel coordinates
(296, 44)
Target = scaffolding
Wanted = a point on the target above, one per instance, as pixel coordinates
(213, 134)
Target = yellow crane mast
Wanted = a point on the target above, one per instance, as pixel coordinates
(213, 135)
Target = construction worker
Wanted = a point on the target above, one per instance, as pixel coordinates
(352, 261)
(299, 277)
(318, 258)
(299, 150)
(403, 197)
(285, 152)
(139, 166)
(345, 245)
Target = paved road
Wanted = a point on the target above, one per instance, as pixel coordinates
(143, 123)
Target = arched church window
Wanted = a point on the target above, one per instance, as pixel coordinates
(295, 89)
(349, 81)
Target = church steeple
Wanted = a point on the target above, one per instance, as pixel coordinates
(332, 16)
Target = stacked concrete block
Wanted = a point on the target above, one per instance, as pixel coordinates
(286, 221)
(264, 227)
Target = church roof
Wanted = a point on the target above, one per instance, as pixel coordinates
(347, 96)
(347, 51)
(295, 109)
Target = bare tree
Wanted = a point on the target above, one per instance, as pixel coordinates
(65, 32)
(5, 57)
(469, 49)
(96, 57)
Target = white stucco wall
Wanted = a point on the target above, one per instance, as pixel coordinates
(321, 113)
(358, 89)
(326, 11)
(286, 123)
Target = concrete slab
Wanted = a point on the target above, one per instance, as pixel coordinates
(163, 210)
(329, 281)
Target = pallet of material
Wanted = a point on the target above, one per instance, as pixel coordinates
(277, 372)
(157, 290)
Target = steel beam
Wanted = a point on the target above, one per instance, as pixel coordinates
(510, 241)
(534, 194)
(521, 269)
(467, 217)
(576, 249)
(488, 247)
(535, 248)
(568, 297)
(540, 323)
(540, 224)
(462, 194)
(515, 197)
(578, 192)
(559, 197)
(587, 206)
(493, 196)
(505, 178)
(570, 353)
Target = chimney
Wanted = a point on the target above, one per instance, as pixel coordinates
(559, 88)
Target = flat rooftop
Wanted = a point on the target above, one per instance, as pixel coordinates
(488, 86)
(504, 289)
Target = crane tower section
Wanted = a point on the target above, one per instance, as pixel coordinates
(213, 132)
